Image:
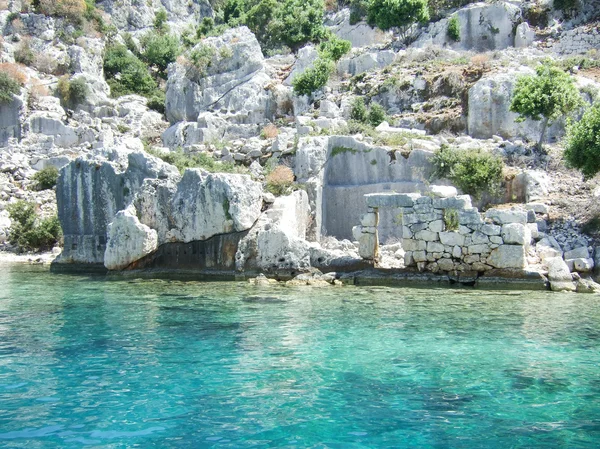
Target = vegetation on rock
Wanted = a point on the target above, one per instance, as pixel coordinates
(8, 87)
(583, 143)
(454, 29)
(547, 95)
(474, 172)
(403, 14)
(28, 231)
(314, 78)
(280, 180)
(46, 178)
(183, 161)
(72, 92)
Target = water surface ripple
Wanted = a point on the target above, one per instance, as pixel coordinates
(86, 361)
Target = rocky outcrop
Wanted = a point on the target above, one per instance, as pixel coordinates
(91, 192)
(234, 81)
(10, 120)
(483, 27)
(199, 206)
(128, 240)
(489, 110)
(359, 34)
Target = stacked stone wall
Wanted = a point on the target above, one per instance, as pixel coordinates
(448, 234)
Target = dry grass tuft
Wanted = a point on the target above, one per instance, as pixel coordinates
(269, 132)
(280, 180)
(15, 71)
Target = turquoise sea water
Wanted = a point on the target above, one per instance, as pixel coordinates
(86, 361)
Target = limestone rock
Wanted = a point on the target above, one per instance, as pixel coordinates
(587, 286)
(508, 256)
(128, 240)
(360, 34)
(506, 216)
(559, 275)
(233, 83)
(577, 253)
(524, 35)
(516, 233)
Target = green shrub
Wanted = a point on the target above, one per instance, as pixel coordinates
(472, 171)
(549, 94)
(386, 14)
(583, 143)
(358, 110)
(454, 29)
(23, 54)
(28, 232)
(159, 50)
(376, 115)
(334, 48)
(183, 161)
(8, 88)
(160, 22)
(205, 27)
(358, 10)
(313, 78)
(127, 74)
(46, 178)
(566, 5)
(156, 102)
(451, 222)
(201, 59)
(72, 92)
(275, 23)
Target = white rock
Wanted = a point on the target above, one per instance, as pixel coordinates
(516, 233)
(505, 216)
(508, 256)
(577, 253)
(444, 191)
(583, 265)
(128, 240)
(524, 35)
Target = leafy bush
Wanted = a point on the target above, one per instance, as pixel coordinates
(280, 180)
(28, 232)
(583, 143)
(550, 93)
(156, 102)
(183, 161)
(8, 88)
(566, 5)
(160, 22)
(376, 115)
(451, 222)
(159, 50)
(358, 110)
(454, 29)
(472, 171)
(313, 78)
(23, 54)
(127, 74)
(46, 178)
(276, 23)
(386, 14)
(334, 48)
(72, 92)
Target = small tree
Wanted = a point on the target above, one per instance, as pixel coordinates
(547, 95)
(313, 78)
(404, 14)
(583, 143)
(8, 88)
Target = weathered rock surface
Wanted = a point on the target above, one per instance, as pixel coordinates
(559, 275)
(233, 83)
(128, 240)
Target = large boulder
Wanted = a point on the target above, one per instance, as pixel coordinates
(359, 34)
(483, 27)
(234, 81)
(489, 109)
(199, 206)
(508, 256)
(128, 240)
(10, 121)
(90, 192)
(559, 275)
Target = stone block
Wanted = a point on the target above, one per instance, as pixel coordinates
(583, 265)
(496, 240)
(436, 226)
(538, 208)
(413, 245)
(391, 199)
(368, 246)
(478, 238)
(420, 256)
(506, 216)
(508, 256)
(457, 252)
(409, 260)
(472, 258)
(469, 217)
(443, 191)
(577, 253)
(369, 219)
(531, 216)
(458, 203)
(446, 265)
(435, 247)
(452, 238)
(428, 236)
(516, 234)
(478, 249)
(491, 229)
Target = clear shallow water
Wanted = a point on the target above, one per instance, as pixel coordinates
(168, 364)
